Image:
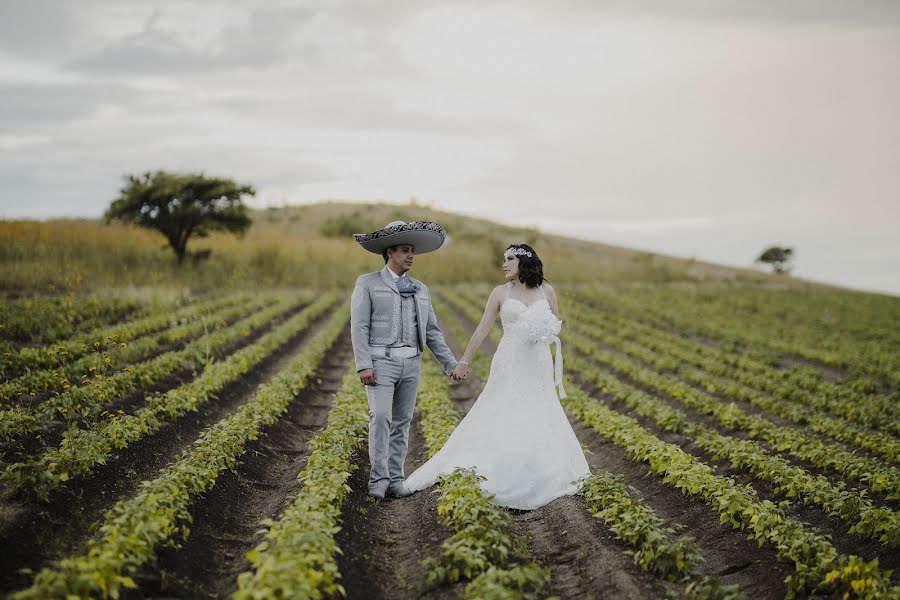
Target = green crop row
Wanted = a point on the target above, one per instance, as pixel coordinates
(660, 357)
(123, 354)
(133, 528)
(798, 443)
(42, 319)
(690, 321)
(705, 313)
(879, 412)
(853, 506)
(86, 401)
(161, 317)
(813, 320)
(630, 519)
(479, 550)
(83, 449)
(818, 566)
(297, 557)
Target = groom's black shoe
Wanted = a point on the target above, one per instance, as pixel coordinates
(399, 491)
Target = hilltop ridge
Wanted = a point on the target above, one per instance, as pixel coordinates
(310, 245)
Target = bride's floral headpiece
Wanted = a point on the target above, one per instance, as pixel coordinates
(519, 252)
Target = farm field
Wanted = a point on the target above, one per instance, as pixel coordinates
(744, 441)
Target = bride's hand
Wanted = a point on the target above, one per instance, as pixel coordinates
(460, 372)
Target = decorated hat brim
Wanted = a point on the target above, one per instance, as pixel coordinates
(424, 236)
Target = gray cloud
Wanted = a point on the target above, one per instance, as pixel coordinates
(152, 50)
(26, 106)
(61, 30)
(798, 12)
(302, 35)
(48, 29)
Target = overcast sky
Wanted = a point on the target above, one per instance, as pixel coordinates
(695, 128)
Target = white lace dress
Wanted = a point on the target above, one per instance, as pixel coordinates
(516, 433)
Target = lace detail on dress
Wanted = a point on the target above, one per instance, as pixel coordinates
(535, 325)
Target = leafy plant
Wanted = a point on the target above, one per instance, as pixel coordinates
(133, 528)
(82, 449)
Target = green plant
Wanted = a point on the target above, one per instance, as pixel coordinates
(134, 527)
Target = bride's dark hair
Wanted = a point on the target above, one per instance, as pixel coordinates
(531, 269)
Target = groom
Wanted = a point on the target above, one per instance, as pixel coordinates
(391, 322)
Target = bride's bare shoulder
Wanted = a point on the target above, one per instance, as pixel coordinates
(497, 295)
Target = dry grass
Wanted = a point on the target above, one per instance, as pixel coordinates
(285, 248)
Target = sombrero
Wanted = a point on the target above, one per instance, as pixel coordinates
(425, 236)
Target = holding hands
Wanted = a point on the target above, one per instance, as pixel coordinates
(367, 376)
(460, 372)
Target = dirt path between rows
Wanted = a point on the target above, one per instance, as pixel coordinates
(384, 541)
(42, 532)
(226, 520)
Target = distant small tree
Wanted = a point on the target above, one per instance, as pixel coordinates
(778, 257)
(182, 205)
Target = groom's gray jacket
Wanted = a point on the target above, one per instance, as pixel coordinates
(375, 319)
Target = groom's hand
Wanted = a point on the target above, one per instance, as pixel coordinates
(367, 376)
(459, 373)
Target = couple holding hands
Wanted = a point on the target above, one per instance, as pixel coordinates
(516, 434)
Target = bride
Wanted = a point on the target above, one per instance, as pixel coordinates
(516, 434)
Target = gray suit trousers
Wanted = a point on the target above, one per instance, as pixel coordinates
(392, 401)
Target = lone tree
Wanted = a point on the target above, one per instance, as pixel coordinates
(778, 257)
(180, 206)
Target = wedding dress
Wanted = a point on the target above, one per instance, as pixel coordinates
(516, 434)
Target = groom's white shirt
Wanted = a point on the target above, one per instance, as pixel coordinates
(405, 320)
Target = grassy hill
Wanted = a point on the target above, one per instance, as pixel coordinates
(310, 245)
